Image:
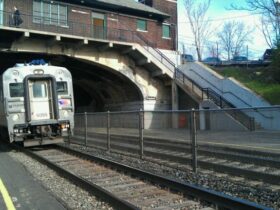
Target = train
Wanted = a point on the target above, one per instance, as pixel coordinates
(36, 104)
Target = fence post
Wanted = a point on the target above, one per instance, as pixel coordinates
(108, 132)
(252, 124)
(202, 91)
(86, 131)
(69, 133)
(194, 142)
(141, 121)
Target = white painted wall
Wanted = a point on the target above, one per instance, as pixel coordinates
(174, 56)
(235, 92)
(219, 120)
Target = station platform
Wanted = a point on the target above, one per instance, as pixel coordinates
(19, 190)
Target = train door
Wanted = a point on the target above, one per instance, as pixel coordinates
(41, 99)
(1, 12)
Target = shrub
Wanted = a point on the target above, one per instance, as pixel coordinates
(276, 63)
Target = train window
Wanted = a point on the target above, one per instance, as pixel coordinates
(39, 89)
(16, 89)
(61, 88)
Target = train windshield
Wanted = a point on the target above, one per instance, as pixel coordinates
(40, 89)
(61, 88)
(16, 89)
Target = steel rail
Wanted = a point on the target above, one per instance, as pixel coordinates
(245, 156)
(219, 199)
(236, 171)
(86, 185)
(228, 155)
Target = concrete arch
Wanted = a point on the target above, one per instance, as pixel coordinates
(107, 88)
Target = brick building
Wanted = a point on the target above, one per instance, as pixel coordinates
(150, 22)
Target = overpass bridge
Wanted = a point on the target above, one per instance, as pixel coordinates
(119, 70)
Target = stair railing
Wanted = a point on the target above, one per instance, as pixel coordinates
(231, 93)
(208, 93)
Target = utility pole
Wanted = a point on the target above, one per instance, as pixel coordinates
(217, 49)
(247, 56)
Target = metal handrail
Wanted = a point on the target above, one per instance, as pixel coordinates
(229, 92)
(240, 116)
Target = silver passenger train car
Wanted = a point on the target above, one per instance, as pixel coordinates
(36, 104)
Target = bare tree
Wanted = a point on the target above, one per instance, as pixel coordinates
(269, 11)
(213, 49)
(199, 23)
(233, 37)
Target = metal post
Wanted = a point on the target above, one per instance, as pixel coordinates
(202, 93)
(194, 142)
(69, 133)
(217, 49)
(108, 132)
(86, 129)
(247, 56)
(141, 121)
(252, 124)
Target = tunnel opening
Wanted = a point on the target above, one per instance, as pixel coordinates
(96, 88)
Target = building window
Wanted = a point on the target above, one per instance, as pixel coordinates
(141, 25)
(50, 13)
(166, 31)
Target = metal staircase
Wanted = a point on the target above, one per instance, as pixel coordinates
(197, 92)
(200, 94)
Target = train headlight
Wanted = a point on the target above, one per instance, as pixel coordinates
(15, 73)
(38, 71)
(15, 117)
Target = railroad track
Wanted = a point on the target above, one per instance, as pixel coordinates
(127, 188)
(254, 165)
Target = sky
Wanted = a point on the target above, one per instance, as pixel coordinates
(219, 13)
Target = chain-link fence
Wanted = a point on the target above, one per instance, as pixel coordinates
(178, 136)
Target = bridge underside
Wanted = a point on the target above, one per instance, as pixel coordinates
(96, 88)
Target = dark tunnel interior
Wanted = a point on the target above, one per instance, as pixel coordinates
(96, 88)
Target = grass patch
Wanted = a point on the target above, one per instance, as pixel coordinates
(260, 80)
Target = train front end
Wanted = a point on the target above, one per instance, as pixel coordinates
(38, 104)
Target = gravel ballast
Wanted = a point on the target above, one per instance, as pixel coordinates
(75, 198)
(234, 186)
(70, 195)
